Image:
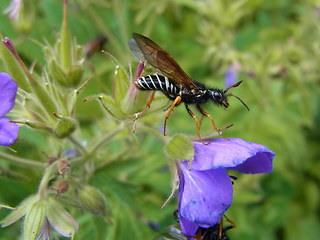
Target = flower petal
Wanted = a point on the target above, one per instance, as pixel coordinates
(188, 228)
(8, 132)
(204, 196)
(222, 153)
(259, 163)
(8, 91)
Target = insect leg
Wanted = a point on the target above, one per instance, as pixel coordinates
(208, 115)
(198, 130)
(226, 228)
(175, 102)
(148, 105)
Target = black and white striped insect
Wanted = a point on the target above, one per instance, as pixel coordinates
(174, 82)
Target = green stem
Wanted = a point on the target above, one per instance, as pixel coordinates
(155, 132)
(47, 176)
(21, 161)
(106, 138)
(77, 144)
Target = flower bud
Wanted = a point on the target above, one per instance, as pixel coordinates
(62, 187)
(180, 148)
(63, 167)
(93, 201)
(65, 127)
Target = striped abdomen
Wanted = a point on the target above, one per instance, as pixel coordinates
(157, 82)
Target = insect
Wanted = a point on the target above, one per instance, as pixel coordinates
(174, 83)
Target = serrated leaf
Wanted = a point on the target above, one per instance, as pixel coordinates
(180, 148)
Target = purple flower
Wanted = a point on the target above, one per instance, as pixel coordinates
(13, 9)
(206, 191)
(8, 90)
(231, 76)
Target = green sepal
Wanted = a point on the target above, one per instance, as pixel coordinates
(66, 44)
(34, 124)
(121, 84)
(13, 67)
(19, 212)
(58, 73)
(34, 219)
(59, 219)
(111, 106)
(75, 75)
(65, 127)
(180, 148)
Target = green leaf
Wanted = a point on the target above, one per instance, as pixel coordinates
(180, 148)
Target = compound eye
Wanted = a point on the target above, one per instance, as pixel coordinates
(217, 95)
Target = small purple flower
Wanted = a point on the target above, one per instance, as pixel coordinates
(231, 76)
(8, 90)
(206, 191)
(13, 9)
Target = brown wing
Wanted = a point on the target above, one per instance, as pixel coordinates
(163, 61)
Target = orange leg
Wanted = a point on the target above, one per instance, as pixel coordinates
(221, 225)
(145, 109)
(175, 102)
(208, 115)
(200, 123)
(230, 221)
(198, 129)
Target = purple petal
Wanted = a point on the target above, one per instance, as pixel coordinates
(8, 91)
(222, 153)
(232, 74)
(188, 228)
(204, 196)
(8, 132)
(259, 163)
(230, 77)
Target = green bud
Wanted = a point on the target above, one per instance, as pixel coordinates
(34, 219)
(75, 75)
(180, 148)
(65, 127)
(59, 219)
(294, 54)
(93, 201)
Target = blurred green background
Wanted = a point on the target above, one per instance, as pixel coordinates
(276, 43)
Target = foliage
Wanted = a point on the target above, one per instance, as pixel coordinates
(277, 46)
